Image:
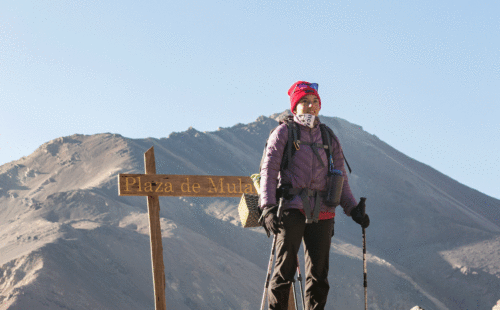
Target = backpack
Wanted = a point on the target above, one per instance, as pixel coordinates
(294, 137)
(293, 143)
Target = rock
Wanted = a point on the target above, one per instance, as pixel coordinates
(465, 270)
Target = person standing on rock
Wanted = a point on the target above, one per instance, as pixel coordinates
(302, 183)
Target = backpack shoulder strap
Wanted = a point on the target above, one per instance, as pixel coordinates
(289, 151)
(327, 134)
(265, 149)
(293, 136)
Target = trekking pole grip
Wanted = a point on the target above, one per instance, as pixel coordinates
(363, 205)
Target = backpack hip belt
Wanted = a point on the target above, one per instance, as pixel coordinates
(304, 194)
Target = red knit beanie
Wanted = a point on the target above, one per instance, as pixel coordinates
(300, 89)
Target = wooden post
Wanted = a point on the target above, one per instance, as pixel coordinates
(155, 237)
(155, 185)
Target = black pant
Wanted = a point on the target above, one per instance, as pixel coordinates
(317, 239)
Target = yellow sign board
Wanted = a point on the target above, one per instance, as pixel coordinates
(184, 185)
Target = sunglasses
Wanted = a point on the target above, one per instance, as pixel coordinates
(302, 86)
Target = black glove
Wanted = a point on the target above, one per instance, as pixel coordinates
(269, 220)
(357, 216)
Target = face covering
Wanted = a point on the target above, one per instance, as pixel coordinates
(305, 120)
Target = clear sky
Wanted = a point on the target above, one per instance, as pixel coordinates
(423, 76)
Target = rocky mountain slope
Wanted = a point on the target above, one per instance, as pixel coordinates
(68, 241)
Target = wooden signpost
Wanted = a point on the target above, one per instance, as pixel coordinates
(154, 185)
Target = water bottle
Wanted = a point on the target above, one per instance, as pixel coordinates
(334, 184)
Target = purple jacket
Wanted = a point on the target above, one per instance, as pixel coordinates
(304, 171)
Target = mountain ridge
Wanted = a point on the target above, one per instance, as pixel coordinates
(66, 191)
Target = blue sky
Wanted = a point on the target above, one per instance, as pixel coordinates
(423, 76)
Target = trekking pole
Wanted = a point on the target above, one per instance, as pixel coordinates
(294, 293)
(299, 277)
(365, 283)
(271, 259)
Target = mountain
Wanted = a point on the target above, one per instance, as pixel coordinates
(68, 241)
